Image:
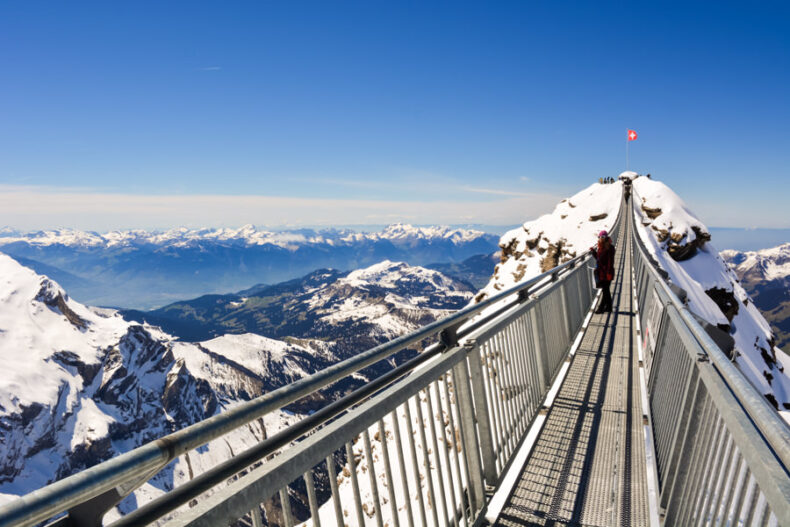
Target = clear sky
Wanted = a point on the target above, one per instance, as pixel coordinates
(157, 114)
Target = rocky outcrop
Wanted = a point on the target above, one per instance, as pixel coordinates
(69, 359)
(726, 301)
(51, 295)
(556, 253)
(676, 244)
(651, 213)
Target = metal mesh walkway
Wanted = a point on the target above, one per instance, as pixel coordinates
(587, 466)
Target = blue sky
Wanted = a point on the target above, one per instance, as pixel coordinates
(156, 114)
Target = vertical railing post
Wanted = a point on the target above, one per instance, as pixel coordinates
(481, 414)
(581, 292)
(471, 446)
(565, 311)
(539, 339)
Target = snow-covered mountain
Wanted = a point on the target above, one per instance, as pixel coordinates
(80, 384)
(765, 275)
(364, 307)
(142, 270)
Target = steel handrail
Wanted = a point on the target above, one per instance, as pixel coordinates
(129, 470)
(775, 430)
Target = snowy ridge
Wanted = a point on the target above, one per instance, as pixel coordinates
(570, 230)
(679, 242)
(248, 235)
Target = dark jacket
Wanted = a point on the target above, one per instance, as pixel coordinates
(604, 263)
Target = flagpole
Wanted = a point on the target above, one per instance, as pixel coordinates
(626, 149)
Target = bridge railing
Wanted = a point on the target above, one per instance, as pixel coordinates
(431, 442)
(722, 451)
(437, 429)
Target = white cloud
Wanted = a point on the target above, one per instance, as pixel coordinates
(210, 68)
(37, 208)
(419, 184)
(497, 192)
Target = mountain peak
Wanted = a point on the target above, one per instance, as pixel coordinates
(680, 242)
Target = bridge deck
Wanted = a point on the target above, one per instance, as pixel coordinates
(587, 466)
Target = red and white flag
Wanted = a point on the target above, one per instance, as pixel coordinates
(631, 135)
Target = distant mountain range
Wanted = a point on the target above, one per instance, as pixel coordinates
(765, 275)
(355, 310)
(143, 270)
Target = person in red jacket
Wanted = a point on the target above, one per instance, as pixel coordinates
(604, 270)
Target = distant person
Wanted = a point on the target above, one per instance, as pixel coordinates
(600, 180)
(604, 270)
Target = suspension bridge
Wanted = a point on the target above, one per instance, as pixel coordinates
(525, 409)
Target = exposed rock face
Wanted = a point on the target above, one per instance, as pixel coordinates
(556, 254)
(725, 300)
(53, 296)
(543, 243)
(553, 253)
(652, 213)
(70, 359)
(677, 245)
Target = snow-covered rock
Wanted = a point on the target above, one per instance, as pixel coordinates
(570, 230)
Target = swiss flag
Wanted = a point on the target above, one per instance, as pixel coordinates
(631, 135)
